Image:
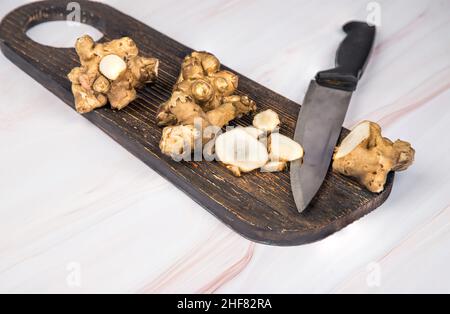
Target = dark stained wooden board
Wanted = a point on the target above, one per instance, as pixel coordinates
(258, 206)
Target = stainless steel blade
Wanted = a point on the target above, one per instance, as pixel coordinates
(318, 127)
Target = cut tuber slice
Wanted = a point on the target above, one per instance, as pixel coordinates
(368, 157)
(256, 133)
(274, 166)
(282, 148)
(266, 121)
(240, 151)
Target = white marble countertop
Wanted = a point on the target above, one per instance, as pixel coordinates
(80, 214)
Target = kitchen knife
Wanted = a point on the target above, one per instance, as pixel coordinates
(323, 111)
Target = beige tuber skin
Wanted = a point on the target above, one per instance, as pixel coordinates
(109, 72)
(368, 157)
(203, 94)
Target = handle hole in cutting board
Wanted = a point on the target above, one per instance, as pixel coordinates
(61, 34)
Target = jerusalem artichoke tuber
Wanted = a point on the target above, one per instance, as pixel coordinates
(368, 157)
(203, 95)
(109, 72)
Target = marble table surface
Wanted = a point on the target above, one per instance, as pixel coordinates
(79, 214)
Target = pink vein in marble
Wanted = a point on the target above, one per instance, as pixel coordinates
(398, 258)
(207, 267)
(221, 8)
(229, 273)
(415, 99)
(400, 34)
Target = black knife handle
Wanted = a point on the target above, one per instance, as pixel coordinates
(351, 57)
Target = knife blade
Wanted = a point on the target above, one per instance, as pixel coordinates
(324, 109)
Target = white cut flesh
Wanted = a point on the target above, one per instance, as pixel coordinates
(359, 134)
(267, 120)
(239, 149)
(112, 66)
(282, 148)
(256, 133)
(274, 166)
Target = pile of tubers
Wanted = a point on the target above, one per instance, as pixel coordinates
(109, 72)
(203, 101)
(205, 97)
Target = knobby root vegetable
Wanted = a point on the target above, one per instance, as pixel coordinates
(202, 97)
(368, 157)
(177, 139)
(109, 71)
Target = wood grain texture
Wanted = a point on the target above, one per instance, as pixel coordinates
(258, 206)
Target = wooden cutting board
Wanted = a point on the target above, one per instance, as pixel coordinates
(259, 206)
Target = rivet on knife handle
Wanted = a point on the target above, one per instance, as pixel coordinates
(351, 58)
